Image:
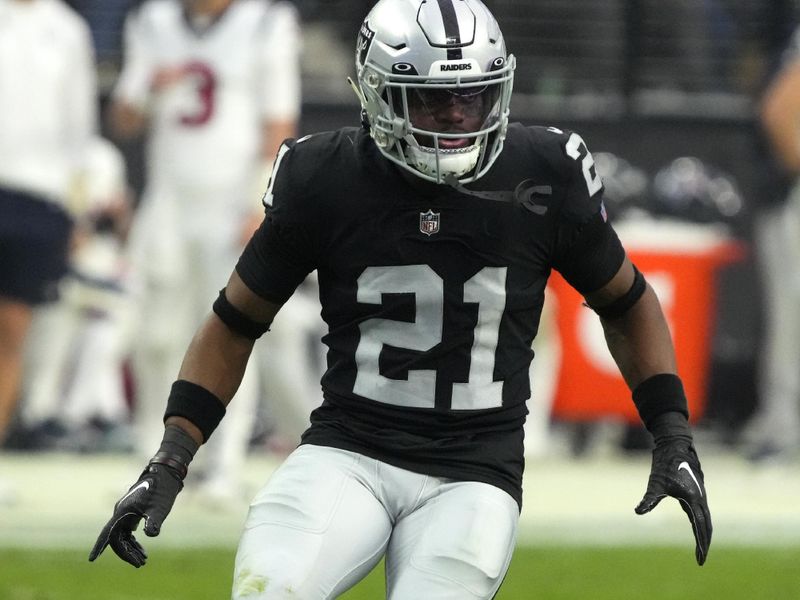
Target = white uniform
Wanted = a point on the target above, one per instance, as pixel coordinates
(76, 348)
(48, 107)
(240, 71)
(203, 168)
(776, 424)
(48, 114)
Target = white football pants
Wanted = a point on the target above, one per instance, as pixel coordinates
(73, 363)
(327, 516)
(778, 244)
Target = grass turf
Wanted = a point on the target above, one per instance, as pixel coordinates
(547, 573)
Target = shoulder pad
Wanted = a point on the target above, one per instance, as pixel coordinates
(279, 173)
(569, 156)
(307, 166)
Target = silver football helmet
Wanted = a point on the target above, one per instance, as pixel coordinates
(416, 57)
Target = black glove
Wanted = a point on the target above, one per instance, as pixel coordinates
(676, 472)
(150, 498)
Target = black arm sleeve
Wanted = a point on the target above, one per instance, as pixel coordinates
(276, 260)
(588, 255)
(285, 248)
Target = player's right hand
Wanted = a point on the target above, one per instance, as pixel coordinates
(150, 498)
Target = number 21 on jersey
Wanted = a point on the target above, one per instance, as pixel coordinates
(487, 289)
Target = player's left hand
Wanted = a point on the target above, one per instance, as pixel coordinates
(150, 498)
(676, 472)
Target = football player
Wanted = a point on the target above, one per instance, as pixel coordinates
(48, 115)
(216, 85)
(433, 228)
(774, 429)
(73, 382)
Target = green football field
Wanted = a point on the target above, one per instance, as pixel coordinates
(579, 538)
(548, 573)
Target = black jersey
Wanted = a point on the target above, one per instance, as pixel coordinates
(432, 295)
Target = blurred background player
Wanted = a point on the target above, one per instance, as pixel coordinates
(774, 430)
(74, 395)
(48, 114)
(216, 84)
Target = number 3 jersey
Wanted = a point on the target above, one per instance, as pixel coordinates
(209, 85)
(432, 295)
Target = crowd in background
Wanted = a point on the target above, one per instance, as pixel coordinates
(147, 165)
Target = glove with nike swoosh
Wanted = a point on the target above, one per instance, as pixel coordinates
(150, 498)
(676, 472)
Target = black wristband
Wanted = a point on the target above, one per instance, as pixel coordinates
(660, 394)
(197, 404)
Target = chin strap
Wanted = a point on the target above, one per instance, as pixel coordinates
(357, 90)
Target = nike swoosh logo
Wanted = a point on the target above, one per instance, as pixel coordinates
(685, 466)
(146, 485)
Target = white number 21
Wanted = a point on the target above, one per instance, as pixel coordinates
(487, 289)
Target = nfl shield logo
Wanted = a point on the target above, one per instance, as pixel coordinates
(429, 222)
